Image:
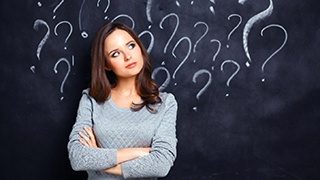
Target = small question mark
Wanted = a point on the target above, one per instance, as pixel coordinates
(235, 73)
(232, 31)
(127, 16)
(106, 9)
(185, 58)
(274, 53)
(151, 41)
(166, 82)
(56, 8)
(203, 89)
(66, 75)
(45, 38)
(70, 31)
(217, 52)
(194, 80)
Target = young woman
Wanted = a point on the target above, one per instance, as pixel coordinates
(124, 127)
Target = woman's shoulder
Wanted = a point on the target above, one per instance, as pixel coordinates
(167, 98)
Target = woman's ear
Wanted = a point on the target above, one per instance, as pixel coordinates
(107, 68)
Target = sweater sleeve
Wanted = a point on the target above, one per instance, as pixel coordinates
(163, 148)
(84, 157)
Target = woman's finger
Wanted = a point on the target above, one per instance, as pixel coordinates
(91, 136)
(85, 139)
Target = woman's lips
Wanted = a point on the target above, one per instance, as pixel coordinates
(131, 65)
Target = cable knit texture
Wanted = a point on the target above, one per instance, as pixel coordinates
(117, 128)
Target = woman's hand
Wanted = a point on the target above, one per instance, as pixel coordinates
(89, 140)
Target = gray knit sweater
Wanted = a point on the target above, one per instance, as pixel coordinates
(117, 128)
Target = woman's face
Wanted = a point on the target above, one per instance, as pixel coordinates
(123, 54)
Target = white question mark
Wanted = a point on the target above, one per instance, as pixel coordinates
(56, 8)
(168, 79)
(45, 38)
(67, 74)
(106, 9)
(127, 16)
(256, 18)
(70, 31)
(148, 10)
(194, 80)
(274, 53)
(174, 31)
(232, 31)
(201, 37)
(217, 52)
(185, 58)
(235, 73)
(84, 34)
(151, 41)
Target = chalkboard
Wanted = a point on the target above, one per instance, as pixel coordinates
(245, 74)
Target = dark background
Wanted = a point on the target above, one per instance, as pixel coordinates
(261, 124)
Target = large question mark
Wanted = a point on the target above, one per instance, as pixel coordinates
(36, 25)
(232, 31)
(205, 87)
(185, 58)
(106, 9)
(56, 8)
(274, 53)
(70, 31)
(256, 18)
(235, 73)
(174, 31)
(150, 47)
(217, 52)
(67, 74)
(168, 79)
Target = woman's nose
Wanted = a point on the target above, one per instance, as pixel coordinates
(127, 56)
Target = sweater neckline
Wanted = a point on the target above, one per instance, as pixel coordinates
(118, 108)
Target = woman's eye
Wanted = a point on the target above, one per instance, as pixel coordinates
(132, 45)
(115, 54)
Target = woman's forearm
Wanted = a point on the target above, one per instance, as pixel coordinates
(127, 154)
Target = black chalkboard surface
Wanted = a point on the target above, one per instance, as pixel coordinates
(245, 74)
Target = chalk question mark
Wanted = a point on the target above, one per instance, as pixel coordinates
(256, 18)
(70, 30)
(36, 25)
(174, 31)
(148, 10)
(202, 36)
(274, 53)
(217, 52)
(205, 87)
(150, 47)
(185, 58)
(56, 8)
(106, 9)
(66, 75)
(235, 73)
(237, 25)
(168, 79)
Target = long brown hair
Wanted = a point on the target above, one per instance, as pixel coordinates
(102, 81)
